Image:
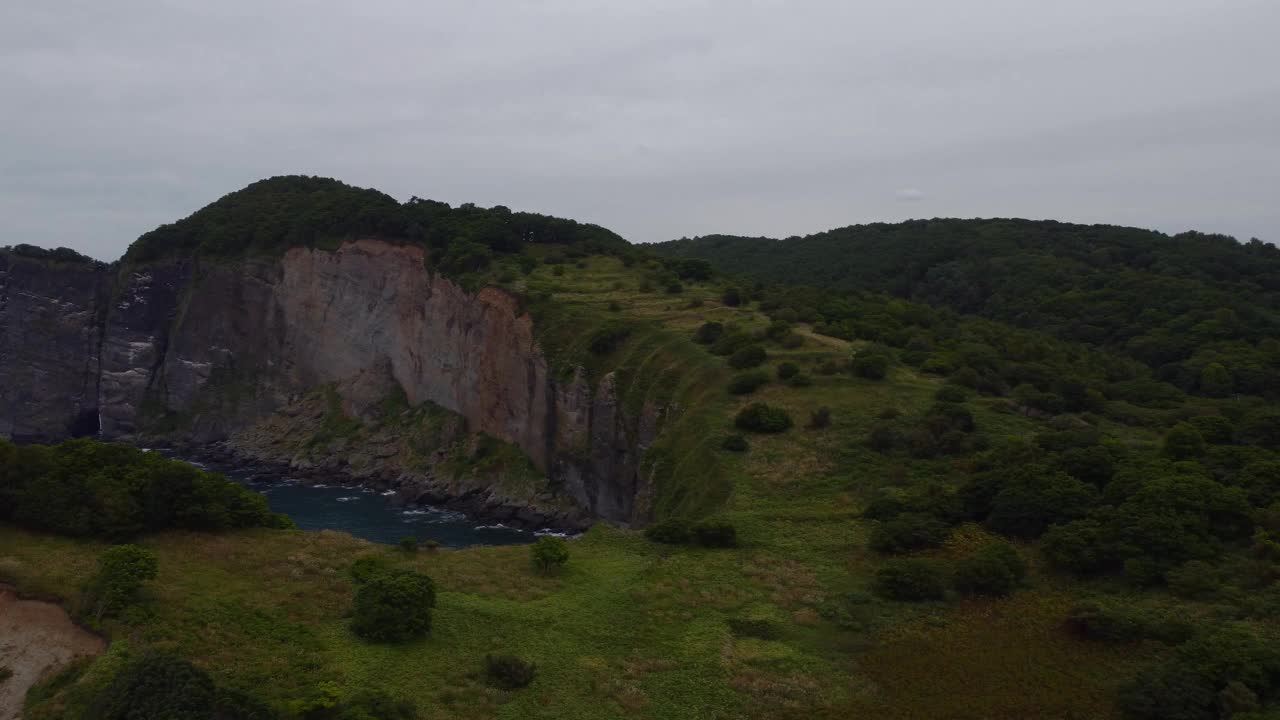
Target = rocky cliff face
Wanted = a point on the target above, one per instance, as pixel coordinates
(48, 347)
(203, 350)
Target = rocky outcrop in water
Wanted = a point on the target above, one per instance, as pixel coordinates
(203, 351)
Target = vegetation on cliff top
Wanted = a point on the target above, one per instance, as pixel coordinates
(271, 215)
(1203, 311)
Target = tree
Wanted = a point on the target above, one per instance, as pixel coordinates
(122, 571)
(906, 532)
(1215, 380)
(1183, 442)
(732, 296)
(748, 357)
(394, 606)
(996, 570)
(911, 581)
(549, 553)
(873, 366)
(762, 418)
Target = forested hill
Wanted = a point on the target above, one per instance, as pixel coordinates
(298, 210)
(1178, 303)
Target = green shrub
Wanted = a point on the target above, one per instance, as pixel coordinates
(708, 333)
(732, 297)
(951, 394)
(731, 342)
(1184, 442)
(1209, 676)
(748, 382)
(365, 568)
(1122, 624)
(5, 673)
(735, 443)
(549, 553)
(761, 418)
(791, 341)
(748, 357)
(160, 686)
(669, 532)
(800, 380)
(1082, 547)
(394, 606)
(408, 544)
(910, 581)
(608, 337)
(996, 570)
(788, 370)
(906, 532)
(715, 534)
(870, 365)
(431, 545)
(1215, 429)
(122, 571)
(508, 671)
(88, 488)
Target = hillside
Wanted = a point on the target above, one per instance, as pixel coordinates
(1176, 303)
(842, 504)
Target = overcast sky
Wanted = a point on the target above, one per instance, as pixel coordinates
(658, 119)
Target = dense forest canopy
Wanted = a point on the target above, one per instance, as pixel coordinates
(1202, 310)
(296, 210)
(60, 255)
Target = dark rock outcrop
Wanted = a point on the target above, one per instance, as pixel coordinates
(200, 351)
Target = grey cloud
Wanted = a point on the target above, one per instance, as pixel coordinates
(657, 119)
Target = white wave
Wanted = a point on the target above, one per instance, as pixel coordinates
(349, 499)
(548, 532)
(415, 512)
(497, 526)
(388, 492)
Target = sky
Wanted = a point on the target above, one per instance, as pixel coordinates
(657, 119)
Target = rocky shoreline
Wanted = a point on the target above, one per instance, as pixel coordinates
(410, 489)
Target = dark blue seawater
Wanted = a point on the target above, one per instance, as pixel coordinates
(372, 515)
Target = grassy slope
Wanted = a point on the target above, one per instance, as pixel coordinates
(633, 629)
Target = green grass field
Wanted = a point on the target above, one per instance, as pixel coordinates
(630, 628)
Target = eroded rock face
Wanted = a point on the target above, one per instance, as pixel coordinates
(48, 347)
(222, 346)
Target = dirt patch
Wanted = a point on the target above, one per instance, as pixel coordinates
(36, 638)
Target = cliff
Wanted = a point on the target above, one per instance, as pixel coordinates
(208, 350)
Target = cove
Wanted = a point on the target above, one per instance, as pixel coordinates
(365, 512)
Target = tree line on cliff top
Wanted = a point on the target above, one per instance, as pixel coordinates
(287, 211)
(1202, 311)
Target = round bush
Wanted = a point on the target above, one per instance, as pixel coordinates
(761, 418)
(708, 333)
(735, 443)
(910, 581)
(907, 532)
(872, 366)
(394, 606)
(669, 532)
(994, 571)
(788, 370)
(748, 357)
(951, 394)
(748, 382)
(549, 553)
(800, 380)
(508, 671)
